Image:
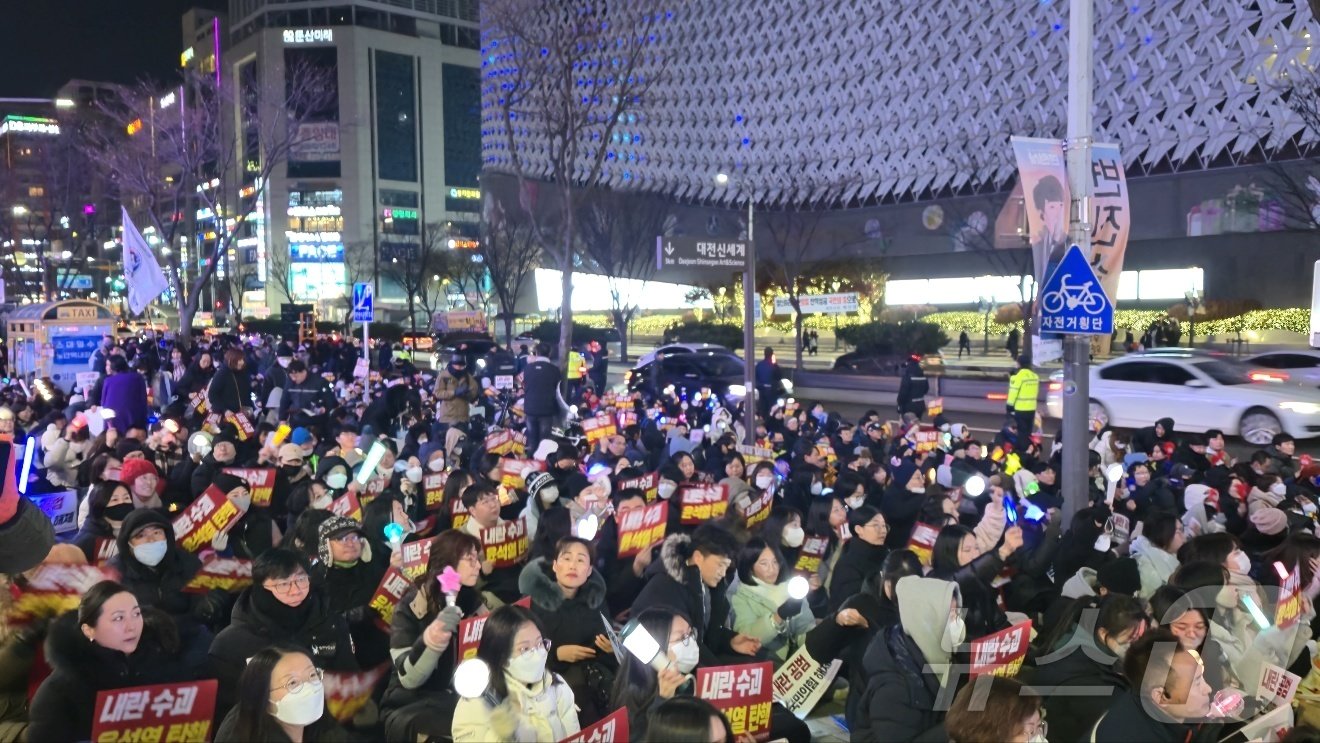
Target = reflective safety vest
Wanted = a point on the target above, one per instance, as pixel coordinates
(577, 366)
(1023, 389)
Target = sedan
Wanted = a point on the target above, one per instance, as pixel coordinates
(1301, 366)
(688, 373)
(670, 349)
(1199, 392)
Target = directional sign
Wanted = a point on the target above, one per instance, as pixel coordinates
(699, 253)
(1073, 302)
(364, 303)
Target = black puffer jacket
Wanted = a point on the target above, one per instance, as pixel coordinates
(1077, 687)
(899, 703)
(575, 621)
(677, 586)
(160, 586)
(979, 598)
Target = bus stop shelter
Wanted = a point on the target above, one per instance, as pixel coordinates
(56, 339)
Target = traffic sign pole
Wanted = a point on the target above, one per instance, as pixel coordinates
(364, 311)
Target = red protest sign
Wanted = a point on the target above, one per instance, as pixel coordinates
(641, 528)
(433, 484)
(210, 515)
(347, 693)
(392, 587)
(500, 442)
(242, 425)
(505, 543)
(347, 506)
(260, 480)
(759, 509)
(742, 693)
(469, 631)
(935, 407)
(222, 573)
(458, 514)
(106, 548)
(1001, 653)
(53, 589)
(374, 487)
(1289, 609)
(649, 484)
(598, 427)
(926, 438)
(812, 552)
(511, 470)
(923, 541)
(613, 728)
(627, 418)
(415, 557)
(164, 712)
(701, 503)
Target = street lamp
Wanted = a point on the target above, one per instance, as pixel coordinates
(1195, 306)
(987, 308)
(749, 321)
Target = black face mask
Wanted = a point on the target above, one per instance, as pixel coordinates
(291, 470)
(119, 511)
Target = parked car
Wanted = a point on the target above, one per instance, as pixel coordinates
(1295, 365)
(885, 365)
(688, 373)
(608, 337)
(669, 349)
(472, 345)
(1199, 391)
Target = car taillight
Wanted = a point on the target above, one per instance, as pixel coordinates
(997, 396)
(1055, 386)
(1262, 375)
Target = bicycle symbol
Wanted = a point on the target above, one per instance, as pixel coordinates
(1093, 303)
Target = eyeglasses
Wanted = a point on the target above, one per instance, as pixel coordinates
(685, 638)
(488, 500)
(350, 538)
(285, 587)
(293, 686)
(1040, 729)
(470, 559)
(522, 650)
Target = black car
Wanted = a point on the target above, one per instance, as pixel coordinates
(885, 365)
(689, 373)
(473, 346)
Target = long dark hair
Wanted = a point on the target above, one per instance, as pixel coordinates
(99, 500)
(751, 552)
(944, 556)
(497, 640)
(684, 720)
(637, 684)
(254, 719)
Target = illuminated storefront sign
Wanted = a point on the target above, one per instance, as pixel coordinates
(309, 36)
(396, 213)
(29, 125)
(465, 193)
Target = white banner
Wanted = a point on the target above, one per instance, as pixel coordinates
(819, 304)
(315, 142)
(801, 682)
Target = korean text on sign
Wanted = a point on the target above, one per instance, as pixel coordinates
(469, 631)
(165, 712)
(392, 587)
(810, 556)
(801, 681)
(923, 541)
(434, 487)
(648, 484)
(230, 575)
(926, 438)
(742, 692)
(759, 509)
(416, 556)
(598, 427)
(347, 506)
(613, 728)
(642, 528)
(1289, 609)
(505, 544)
(208, 516)
(1001, 653)
(701, 503)
(260, 480)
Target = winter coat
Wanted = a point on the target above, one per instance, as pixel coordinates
(830, 640)
(126, 394)
(564, 621)
(90, 536)
(677, 586)
(543, 711)
(25, 539)
(857, 560)
(1061, 676)
(1154, 565)
(1144, 439)
(420, 673)
(1127, 721)
(455, 408)
(979, 598)
(160, 586)
(349, 590)
(900, 509)
(324, 730)
(63, 457)
(230, 391)
(63, 708)
(754, 608)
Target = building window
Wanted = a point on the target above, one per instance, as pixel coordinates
(461, 91)
(396, 117)
(317, 153)
(36, 191)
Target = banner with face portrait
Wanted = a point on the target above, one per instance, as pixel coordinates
(1043, 173)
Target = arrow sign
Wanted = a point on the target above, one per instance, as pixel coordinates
(700, 253)
(1072, 301)
(364, 304)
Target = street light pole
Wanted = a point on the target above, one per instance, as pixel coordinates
(1076, 348)
(749, 330)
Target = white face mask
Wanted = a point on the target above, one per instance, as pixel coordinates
(666, 489)
(1278, 488)
(244, 502)
(686, 655)
(150, 553)
(817, 487)
(1309, 509)
(283, 361)
(336, 480)
(764, 481)
(414, 474)
(437, 464)
(548, 494)
(855, 502)
(303, 708)
(954, 635)
(1226, 598)
(1103, 542)
(322, 503)
(793, 536)
(529, 667)
(1039, 737)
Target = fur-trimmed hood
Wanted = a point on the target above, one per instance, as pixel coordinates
(68, 650)
(674, 554)
(539, 583)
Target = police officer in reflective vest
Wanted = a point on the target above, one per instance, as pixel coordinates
(1023, 389)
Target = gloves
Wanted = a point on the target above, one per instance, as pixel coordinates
(220, 541)
(1008, 409)
(449, 617)
(461, 390)
(789, 609)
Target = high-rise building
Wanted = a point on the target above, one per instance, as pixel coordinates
(396, 147)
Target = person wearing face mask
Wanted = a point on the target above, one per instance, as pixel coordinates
(109, 642)
(860, 556)
(641, 686)
(1267, 491)
(1082, 669)
(542, 495)
(351, 571)
(282, 701)
(254, 531)
(908, 665)
(568, 597)
(456, 390)
(1188, 618)
(1156, 550)
(291, 474)
(761, 606)
(524, 701)
(1001, 710)
(670, 477)
(902, 501)
(1168, 699)
(224, 453)
(108, 505)
(281, 605)
(958, 557)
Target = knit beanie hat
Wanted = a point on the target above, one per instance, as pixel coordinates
(1120, 576)
(1269, 521)
(338, 526)
(134, 468)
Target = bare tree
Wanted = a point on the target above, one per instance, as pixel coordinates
(511, 252)
(420, 271)
(466, 274)
(279, 265)
(618, 232)
(168, 161)
(571, 74)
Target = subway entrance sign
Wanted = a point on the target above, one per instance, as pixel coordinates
(700, 253)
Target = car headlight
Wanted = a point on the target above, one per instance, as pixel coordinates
(737, 390)
(1304, 408)
(788, 384)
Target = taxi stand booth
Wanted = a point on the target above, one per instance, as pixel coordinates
(56, 339)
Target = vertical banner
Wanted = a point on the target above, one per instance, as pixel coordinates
(1111, 221)
(1043, 173)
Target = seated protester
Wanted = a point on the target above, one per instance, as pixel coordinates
(352, 571)
(109, 642)
(1145, 439)
(957, 557)
(1281, 451)
(1156, 550)
(1143, 493)
(762, 608)
(1172, 608)
(568, 598)
(109, 504)
(824, 517)
(282, 699)
(1268, 530)
(483, 504)
(1267, 491)
(997, 709)
(902, 501)
(1168, 698)
(689, 578)
(623, 576)
(224, 453)
(1191, 452)
(1300, 548)
(305, 536)
(281, 605)
(639, 687)
(1081, 664)
(860, 556)
(1118, 576)
(908, 664)
(419, 698)
(104, 467)
(1225, 550)
(291, 475)
(144, 482)
(255, 532)
(688, 719)
(524, 701)
(386, 509)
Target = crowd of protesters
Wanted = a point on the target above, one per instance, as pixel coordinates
(1154, 611)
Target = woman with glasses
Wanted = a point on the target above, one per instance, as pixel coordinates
(525, 701)
(282, 698)
(1005, 711)
(640, 687)
(761, 606)
(861, 556)
(281, 605)
(419, 700)
(568, 597)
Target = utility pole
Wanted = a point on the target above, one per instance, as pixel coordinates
(1077, 348)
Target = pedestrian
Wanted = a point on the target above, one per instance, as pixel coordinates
(230, 390)
(767, 379)
(542, 402)
(913, 388)
(1014, 343)
(125, 392)
(1023, 391)
(964, 344)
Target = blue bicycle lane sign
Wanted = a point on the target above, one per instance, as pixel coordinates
(1072, 301)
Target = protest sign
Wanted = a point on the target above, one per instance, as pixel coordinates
(106, 549)
(810, 556)
(53, 589)
(753, 454)
(627, 417)
(505, 543)
(742, 693)
(598, 427)
(1289, 609)
(922, 541)
(61, 508)
(759, 509)
(1277, 685)
(511, 471)
(458, 514)
(228, 574)
(415, 557)
(1001, 653)
(346, 693)
(164, 712)
(648, 484)
(801, 682)
(925, 438)
(613, 728)
(392, 587)
(469, 631)
(433, 485)
(242, 425)
(500, 442)
(641, 528)
(701, 503)
(935, 406)
(347, 506)
(210, 515)
(260, 480)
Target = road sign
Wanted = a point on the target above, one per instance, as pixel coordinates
(364, 303)
(1072, 301)
(699, 252)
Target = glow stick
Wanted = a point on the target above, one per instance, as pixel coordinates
(369, 464)
(798, 587)
(28, 447)
(472, 678)
(1255, 612)
(1281, 570)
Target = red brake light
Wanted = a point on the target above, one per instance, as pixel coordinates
(997, 396)
(1056, 386)
(1270, 375)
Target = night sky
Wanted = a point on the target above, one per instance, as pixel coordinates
(45, 43)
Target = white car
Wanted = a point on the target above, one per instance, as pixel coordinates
(672, 348)
(1199, 392)
(1301, 366)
